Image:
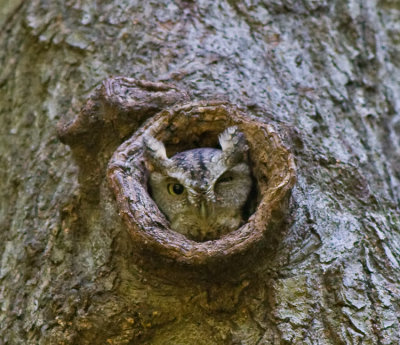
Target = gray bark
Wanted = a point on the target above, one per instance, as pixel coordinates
(324, 73)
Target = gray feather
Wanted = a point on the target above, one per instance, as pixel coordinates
(156, 153)
(233, 144)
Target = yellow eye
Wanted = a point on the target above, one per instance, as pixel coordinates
(175, 188)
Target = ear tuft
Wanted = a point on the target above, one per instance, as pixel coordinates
(233, 144)
(155, 152)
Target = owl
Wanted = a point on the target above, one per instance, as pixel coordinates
(202, 191)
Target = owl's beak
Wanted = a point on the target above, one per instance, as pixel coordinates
(203, 209)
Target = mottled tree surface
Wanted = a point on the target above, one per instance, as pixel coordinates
(324, 73)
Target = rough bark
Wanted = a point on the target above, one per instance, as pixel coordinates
(325, 74)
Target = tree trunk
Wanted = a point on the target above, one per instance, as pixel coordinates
(324, 74)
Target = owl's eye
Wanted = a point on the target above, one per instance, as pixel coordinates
(175, 188)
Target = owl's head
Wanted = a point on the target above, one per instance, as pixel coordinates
(201, 191)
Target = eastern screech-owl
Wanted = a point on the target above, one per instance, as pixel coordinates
(201, 191)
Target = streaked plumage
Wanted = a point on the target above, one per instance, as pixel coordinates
(201, 191)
